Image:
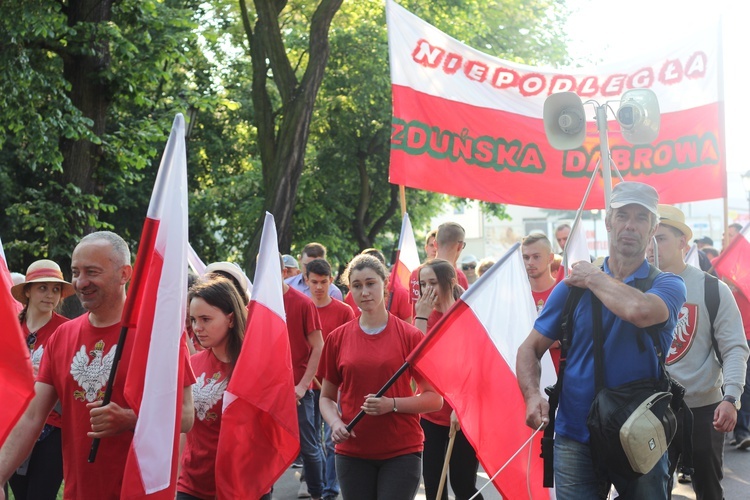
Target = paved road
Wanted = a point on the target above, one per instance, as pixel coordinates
(736, 481)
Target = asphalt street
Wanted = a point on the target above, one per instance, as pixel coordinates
(736, 481)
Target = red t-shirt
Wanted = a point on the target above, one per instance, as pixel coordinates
(197, 476)
(360, 364)
(301, 320)
(77, 361)
(540, 298)
(332, 316)
(443, 415)
(37, 351)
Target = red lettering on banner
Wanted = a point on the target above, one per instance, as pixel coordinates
(671, 72)
(589, 87)
(663, 155)
(642, 160)
(686, 152)
(506, 155)
(709, 153)
(504, 78)
(696, 65)
(416, 138)
(452, 63)
(445, 141)
(484, 151)
(613, 86)
(476, 71)
(643, 78)
(562, 83)
(427, 55)
(397, 135)
(462, 145)
(532, 84)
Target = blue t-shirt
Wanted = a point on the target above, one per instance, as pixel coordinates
(624, 361)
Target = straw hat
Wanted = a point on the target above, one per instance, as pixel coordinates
(231, 269)
(42, 271)
(673, 216)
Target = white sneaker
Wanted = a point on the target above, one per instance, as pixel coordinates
(303, 493)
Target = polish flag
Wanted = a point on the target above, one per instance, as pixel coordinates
(17, 389)
(470, 358)
(156, 309)
(692, 257)
(407, 256)
(259, 437)
(576, 248)
(733, 263)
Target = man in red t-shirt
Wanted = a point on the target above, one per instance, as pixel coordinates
(538, 257)
(333, 314)
(75, 369)
(306, 345)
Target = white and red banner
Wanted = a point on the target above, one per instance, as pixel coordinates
(470, 125)
(733, 264)
(15, 364)
(259, 436)
(478, 334)
(407, 256)
(156, 309)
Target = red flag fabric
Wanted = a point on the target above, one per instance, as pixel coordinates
(734, 262)
(158, 302)
(259, 437)
(484, 393)
(407, 256)
(17, 389)
(471, 125)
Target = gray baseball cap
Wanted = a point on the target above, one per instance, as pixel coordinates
(626, 193)
(290, 261)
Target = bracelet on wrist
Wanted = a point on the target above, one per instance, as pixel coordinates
(395, 410)
(420, 317)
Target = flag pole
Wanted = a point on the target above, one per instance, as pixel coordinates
(446, 462)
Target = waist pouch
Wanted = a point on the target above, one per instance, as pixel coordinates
(631, 427)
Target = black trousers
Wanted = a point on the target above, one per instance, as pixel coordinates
(463, 464)
(45, 473)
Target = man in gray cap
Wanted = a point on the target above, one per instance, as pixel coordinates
(627, 312)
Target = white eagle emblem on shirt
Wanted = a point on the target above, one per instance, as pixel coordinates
(206, 394)
(684, 331)
(92, 374)
(36, 355)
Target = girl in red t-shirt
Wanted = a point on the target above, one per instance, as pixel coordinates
(381, 457)
(41, 475)
(218, 318)
(439, 291)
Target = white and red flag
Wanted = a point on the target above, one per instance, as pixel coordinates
(407, 256)
(470, 358)
(471, 125)
(155, 312)
(692, 257)
(259, 437)
(576, 248)
(15, 364)
(733, 263)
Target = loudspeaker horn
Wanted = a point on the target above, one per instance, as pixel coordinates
(564, 120)
(639, 116)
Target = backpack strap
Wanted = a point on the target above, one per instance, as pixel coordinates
(712, 299)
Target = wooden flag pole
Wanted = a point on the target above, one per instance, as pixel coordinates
(446, 463)
(402, 195)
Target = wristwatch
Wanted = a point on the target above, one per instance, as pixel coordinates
(734, 402)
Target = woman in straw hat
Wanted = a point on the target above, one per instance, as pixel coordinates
(41, 292)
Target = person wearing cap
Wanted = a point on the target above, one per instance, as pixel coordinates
(469, 267)
(627, 312)
(75, 370)
(711, 389)
(41, 475)
(233, 273)
(291, 266)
